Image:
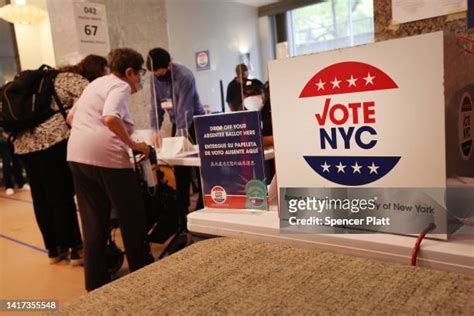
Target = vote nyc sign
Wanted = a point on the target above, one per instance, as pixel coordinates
(349, 125)
(396, 113)
(369, 115)
(390, 115)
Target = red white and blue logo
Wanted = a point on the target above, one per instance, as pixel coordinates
(349, 125)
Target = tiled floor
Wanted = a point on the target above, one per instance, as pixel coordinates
(25, 272)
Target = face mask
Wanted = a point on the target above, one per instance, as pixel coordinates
(253, 103)
(166, 77)
(245, 74)
(141, 84)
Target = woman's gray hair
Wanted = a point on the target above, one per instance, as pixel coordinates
(122, 58)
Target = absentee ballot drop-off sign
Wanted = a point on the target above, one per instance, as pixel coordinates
(232, 160)
(360, 136)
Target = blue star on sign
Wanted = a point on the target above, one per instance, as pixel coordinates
(352, 171)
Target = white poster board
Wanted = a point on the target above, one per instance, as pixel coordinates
(364, 124)
(390, 92)
(412, 10)
(92, 29)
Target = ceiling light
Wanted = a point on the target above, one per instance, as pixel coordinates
(22, 13)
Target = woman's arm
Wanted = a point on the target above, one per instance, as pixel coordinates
(69, 118)
(70, 115)
(117, 127)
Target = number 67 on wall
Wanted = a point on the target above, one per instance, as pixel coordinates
(90, 29)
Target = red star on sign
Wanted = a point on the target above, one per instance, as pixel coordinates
(349, 72)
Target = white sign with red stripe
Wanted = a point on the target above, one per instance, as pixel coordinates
(365, 116)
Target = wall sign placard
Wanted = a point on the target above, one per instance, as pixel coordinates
(404, 11)
(92, 28)
(232, 160)
(203, 60)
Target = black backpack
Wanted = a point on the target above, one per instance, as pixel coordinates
(25, 102)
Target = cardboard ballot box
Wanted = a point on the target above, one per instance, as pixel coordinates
(376, 133)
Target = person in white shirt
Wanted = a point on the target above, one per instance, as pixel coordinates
(102, 172)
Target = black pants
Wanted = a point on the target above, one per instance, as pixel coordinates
(11, 166)
(52, 191)
(183, 176)
(269, 170)
(98, 191)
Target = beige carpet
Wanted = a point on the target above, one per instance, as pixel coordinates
(231, 276)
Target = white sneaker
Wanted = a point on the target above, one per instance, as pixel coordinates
(57, 254)
(25, 187)
(9, 192)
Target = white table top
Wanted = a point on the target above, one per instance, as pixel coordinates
(195, 161)
(456, 254)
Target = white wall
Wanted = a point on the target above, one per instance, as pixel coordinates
(64, 32)
(141, 25)
(28, 46)
(221, 27)
(35, 44)
(46, 41)
(267, 42)
(138, 24)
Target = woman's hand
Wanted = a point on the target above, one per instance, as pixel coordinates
(118, 128)
(141, 147)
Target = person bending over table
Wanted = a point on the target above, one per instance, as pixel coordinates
(101, 168)
(174, 90)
